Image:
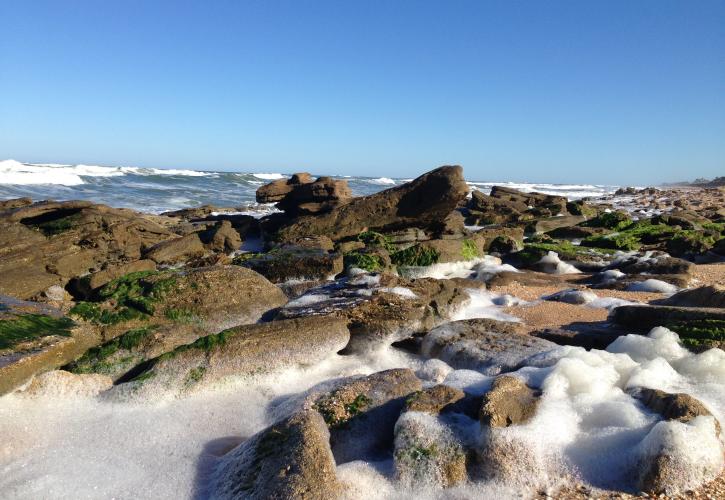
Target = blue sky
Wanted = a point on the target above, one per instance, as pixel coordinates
(556, 91)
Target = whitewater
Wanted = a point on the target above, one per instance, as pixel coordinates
(157, 190)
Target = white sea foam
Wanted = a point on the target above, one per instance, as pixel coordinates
(586, 426)
(652, 285)
(552, 264)
(382, 180)
(485, 304)
(269, 177)
(482, 268)
(17, 173)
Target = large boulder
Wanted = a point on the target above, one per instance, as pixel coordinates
(662, 468)
(421, 203)
(35, 338)
(704, 296)
(509, 402)
(241, 351)
(176, 250)
(294, 262)
(482, 345)
(381, 309)
(361, 412)
(49, 243)
(433, 399)
(290, 460)
(300, 195)
(212, 298)
(427, 453)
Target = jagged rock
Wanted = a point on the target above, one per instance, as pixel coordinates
(194, 212)
(678, 406)
(433, 399)
(550, 223)
(381, 309)
(276, 190)
(85, 287)
(35, 338)
(427, 453)
(504, 244)
(119, 355)
(290, 460)
(663, 470)
(362, 412)
(299, 195)
(490, 348)
(292, 262)
(15, 203)
(237, 352)
(645, 317)
(704, 296)
(176, 250)
(422, 203)
(554, 204)
(212, 298)
(222, 237)
(49, 243)
(657, 265)
(509, 402)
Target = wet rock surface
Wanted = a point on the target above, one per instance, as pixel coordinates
(291, 459)
(482, 346)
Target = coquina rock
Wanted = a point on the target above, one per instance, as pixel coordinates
(241, 351)
(427, 454)
(509, 402)
(289, 460)
(300, 195)
(661, 469)
(420, 203)
(361, 412)
(484, 345)
(504, 455)
(35, 338)
(49, 243)
(704, 296)
(213, 298)
(381, 309)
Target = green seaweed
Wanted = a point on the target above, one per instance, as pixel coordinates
(415, 256)
(95, 360)
(614, 241)
(57, 226)
(181, 315)
(699, 333)
(367, 261)
(374, 239)
(195, 375)
(469, 250)
(130, 297)
(533, 252)
(27, 327)
(610, 220)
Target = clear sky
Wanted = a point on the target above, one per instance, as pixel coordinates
(544, 91)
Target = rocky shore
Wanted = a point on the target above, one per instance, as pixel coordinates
(441, 342)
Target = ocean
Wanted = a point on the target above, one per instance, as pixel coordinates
(157, 190)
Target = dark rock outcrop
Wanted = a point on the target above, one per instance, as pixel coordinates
(291, 460)
(423, 203)
(50, 243)
(300, 195)
(481, 345)
(240, 351)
